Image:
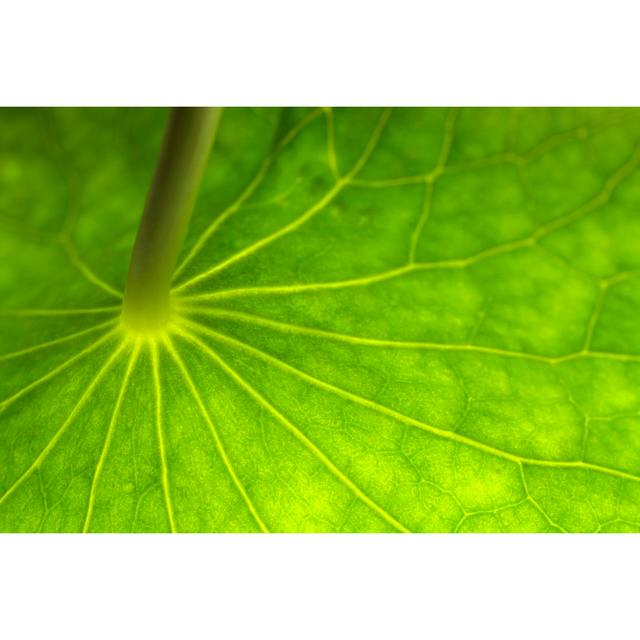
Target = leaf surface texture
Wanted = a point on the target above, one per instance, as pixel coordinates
(412, 320)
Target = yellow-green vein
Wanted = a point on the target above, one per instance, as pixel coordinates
(55, 341)
(286, 327)
(300, 220)
(400, 417)
(88, 273)
(164, 471)
(61, 431)
(216, 436)
(246, 194)
(108, 438)
(27, 313)
(289, 426)
(54, 372)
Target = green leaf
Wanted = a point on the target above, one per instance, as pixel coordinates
(385, 320)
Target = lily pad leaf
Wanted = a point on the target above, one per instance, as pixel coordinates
(384, 320)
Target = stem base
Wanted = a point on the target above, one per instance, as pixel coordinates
(183, 158)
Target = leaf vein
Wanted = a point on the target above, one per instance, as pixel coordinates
(252, 391)
(246, 194)
(61, 431)
(298, 222)
(400, 417)
(166, 492)
(216, 436)
(108, 438)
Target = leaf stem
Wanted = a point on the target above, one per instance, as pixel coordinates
(183, 157)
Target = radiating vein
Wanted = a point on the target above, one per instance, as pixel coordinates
(109, 437)
(88, 273)
(263, 402)
(400, 417)
(359, 340)
(61, 431)
(56, 341)
(303, 288)
(299, 221)
(403, 344)
(526, 242)
(54, 372)
(249, 190)
(26, 313)
(166, 492)
(216, 436)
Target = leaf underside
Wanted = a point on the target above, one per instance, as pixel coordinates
(385, 320)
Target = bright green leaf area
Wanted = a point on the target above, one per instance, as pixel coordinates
(384, 320)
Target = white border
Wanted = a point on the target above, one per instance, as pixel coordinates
(466, 52)
(290, 52)
(326, 587)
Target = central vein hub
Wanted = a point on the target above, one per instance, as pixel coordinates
(147, 319)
